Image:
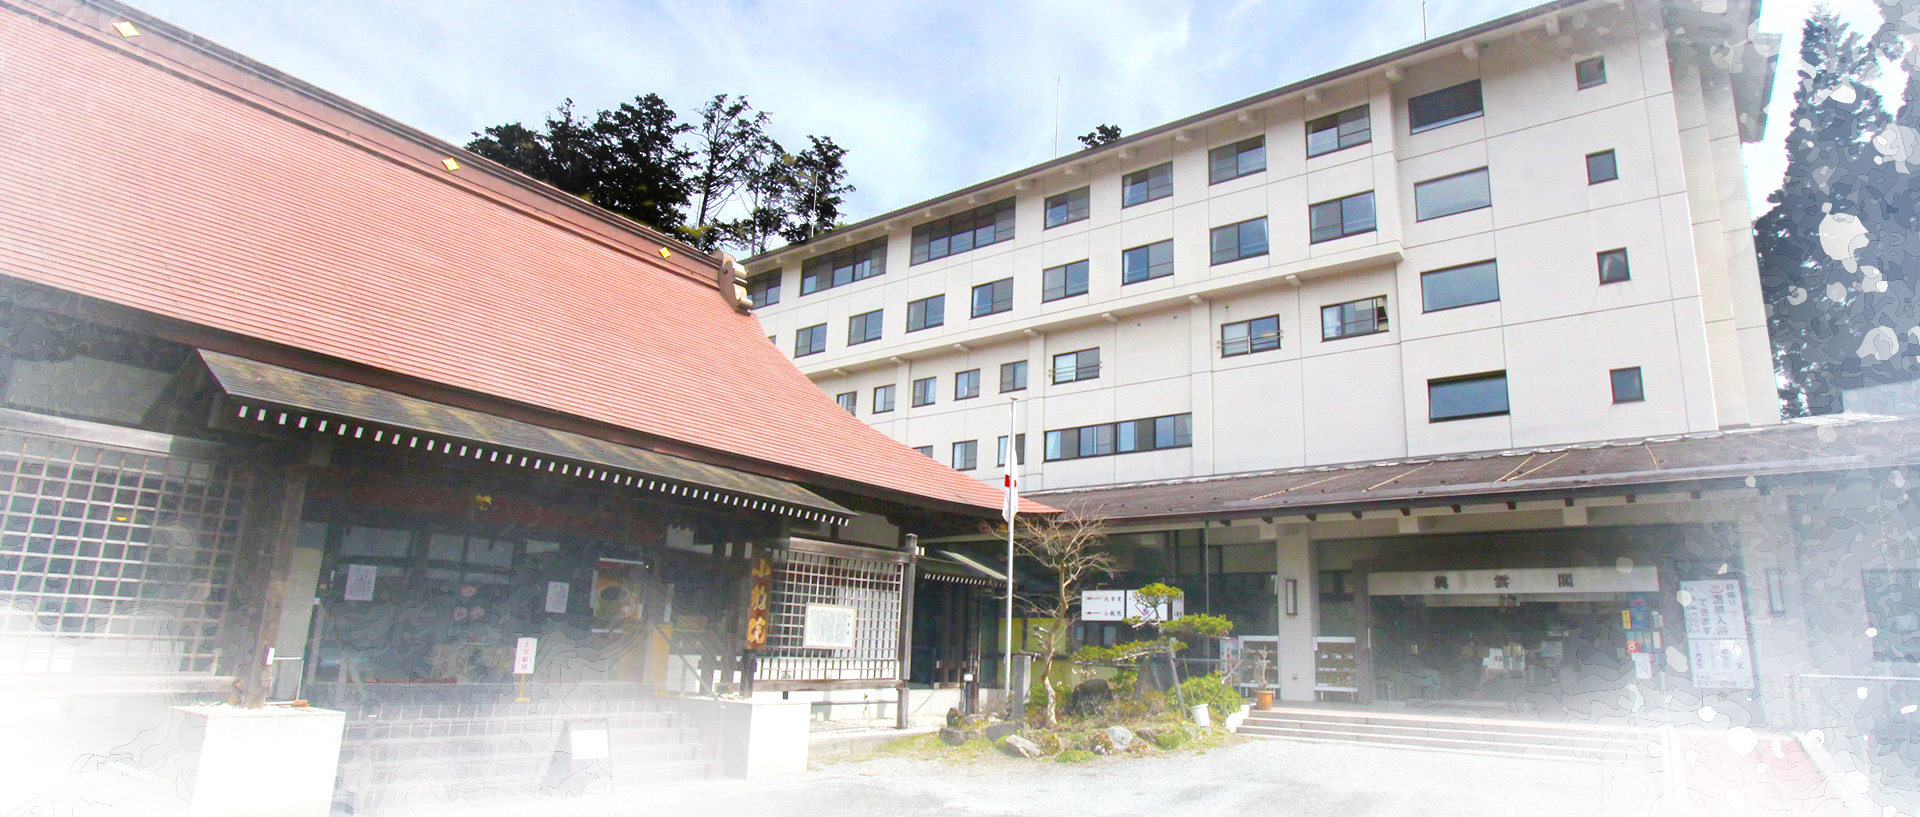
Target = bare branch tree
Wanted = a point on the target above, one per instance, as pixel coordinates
(1072, 548)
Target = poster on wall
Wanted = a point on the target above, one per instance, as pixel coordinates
(557, 596)
(360, 582)
(1716, 616)
(829, 626)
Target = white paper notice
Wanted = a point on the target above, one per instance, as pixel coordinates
(360, 582)
(829, 625)
(557, 597)
(523, 655)
(1716, 617)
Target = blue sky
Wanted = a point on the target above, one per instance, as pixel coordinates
(927, 97)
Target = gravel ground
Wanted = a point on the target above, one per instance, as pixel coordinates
(1264, 777)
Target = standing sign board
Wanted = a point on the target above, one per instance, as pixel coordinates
(1717, 634)
(1119, 605)
(759, 601)
(523, 655)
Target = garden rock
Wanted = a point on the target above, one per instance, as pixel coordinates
(1001, 730)
(1020, 747)
(1091, 698)
(1122, 738)
(956, 737)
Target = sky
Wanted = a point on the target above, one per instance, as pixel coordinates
(926, 97)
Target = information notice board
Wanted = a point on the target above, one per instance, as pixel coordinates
(1716, 615)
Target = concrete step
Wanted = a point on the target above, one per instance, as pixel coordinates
(1502, 736)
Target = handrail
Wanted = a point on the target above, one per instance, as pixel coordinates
(1912, 678)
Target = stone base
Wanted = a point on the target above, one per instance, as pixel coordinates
(753, 738)
(270, 762)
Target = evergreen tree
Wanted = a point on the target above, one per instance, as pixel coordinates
(730, 144)
(627, 160)
(819, 176)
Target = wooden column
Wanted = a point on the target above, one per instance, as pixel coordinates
(266, 558)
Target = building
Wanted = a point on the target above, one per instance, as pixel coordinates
(300, 403)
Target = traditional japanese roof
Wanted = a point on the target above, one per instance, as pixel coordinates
(1835, 443)
(152, 169)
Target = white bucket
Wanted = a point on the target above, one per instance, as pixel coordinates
(1201, 717)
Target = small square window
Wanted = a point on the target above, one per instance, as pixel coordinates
(1613, 266)
(1064, 281)
(1072, 367)
(810, 341)
(1339, 131)
(1143, 186)
(924, 451)
(1601, 167)
(924, 390)
(1249, 336)
(1019, 447)
(1229, 162)
(1236, 241)
(1066, 208)
(1590, 72)
(1144, 263)
(1339, 218)
(1627, 387)
(966, 384)
(849, 400)
(883, 398)
(926, 313)
(1353, 318)
(1013, 376)
(966, 455)
(863, 328)
(993, 297)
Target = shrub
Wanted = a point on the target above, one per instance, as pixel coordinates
(1212, 690)
(1075, 756)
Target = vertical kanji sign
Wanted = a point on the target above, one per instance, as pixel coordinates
(1717, 634)
(759, 601)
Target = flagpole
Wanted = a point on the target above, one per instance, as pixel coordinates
(1012, 510)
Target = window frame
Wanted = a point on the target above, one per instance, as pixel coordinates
(1613, 167)
(931, 392)
(1335, 122)
(923, 304)
(1626, 266)
(1151, 265)
(1255, 343)
(1073, 207)
(1081, 370)
(1019, 447)
(924, 449)
(1477, 377)
(1237, 156)
(1480, 107)
(1581, 83)
(1108, 439)
(1639, 385)
(763, 290)
(1066, 289)
(966, 387)
(849, 400)
(1019, 371)
(818, 332)
(853, 256)
(994, 217)
(1240, 243)
(1372, 224)
(872, 320)
(1483, 171)
(995, 303)
(1380, 318)
(1146, 182)
(972, 447)
(878, 391)
(1426, 304)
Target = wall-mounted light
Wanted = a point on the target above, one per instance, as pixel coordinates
(1776, 591)
(1292, 597)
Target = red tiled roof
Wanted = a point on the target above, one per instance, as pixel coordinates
(163, 173)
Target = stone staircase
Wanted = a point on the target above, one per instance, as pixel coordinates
(1502, 735)
(417, 758)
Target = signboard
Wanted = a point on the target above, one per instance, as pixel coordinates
(523, 655)
(1716, 616)
(760, 601)
(360, 582)
(589, 744)
(829, 626)
(1119, 605)
(557, 596)
(1520, 581)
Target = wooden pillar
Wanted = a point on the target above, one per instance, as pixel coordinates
(266, 559)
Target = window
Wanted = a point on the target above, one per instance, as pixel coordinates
(924, 390)
(841, 267)
(993, 297)
(1013, 376)
(810, 341)
(1627, 387)
(966, 384)
(924, 450)
(1142, 186)
(1458, 398)
(1064, 281)
(1243, 240)
(764, 289)
(1145, 263)
(1338, 131)
(1893, 610)
(1243, 158)
(1601, 167)
(1151, 434)
(1247, 337)
(1363, 317)
(960, 232)
(1444, 107)
(1341, 217)
(863, 327)
(1590, 72)
(883, 399)
(1019, 451)
(926, 313)
(1073, 367)
(1464, 285)
(1066, 208)
(1613, 266)
(849, 400)
(1448, 195)
(966, 455)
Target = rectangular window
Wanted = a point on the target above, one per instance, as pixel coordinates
(1249, 336)
(883, 399)
(1145, 263)
(1142, 186)
(1073, 367)
(926, 313)
(1064, 281)
(1236, 241)
(1601, 167)
(863, 327)
(1590, 72)
(1458, 398)
(1341, 217)
(1067, 208)
(1448, 195)
(1444, 107)
(1243, 158)
(1893, 611)
(1013, 376)
(849, 400)
(966, 455)
(924, 390)
(966, 384)
(1613, 266)
(1464, 285)
(841, 267)
(1627, 387)
(1131, 436)
(1363, 317)
(1337, 131)
(993, 297)
(924, 450)
(963, 231)
(810, 341)
(1019, 449)
(764, 289)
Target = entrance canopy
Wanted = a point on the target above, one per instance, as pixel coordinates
(265, 393)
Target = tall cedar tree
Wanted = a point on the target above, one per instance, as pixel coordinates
(819, 176)
(730, 144)
(1823, 301)
(627, 160)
